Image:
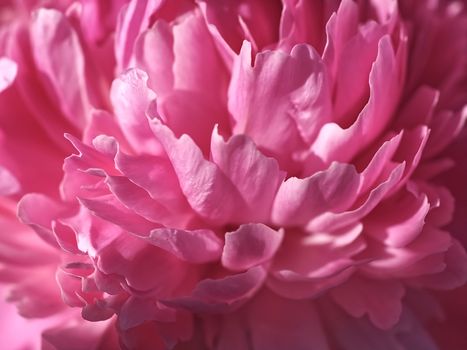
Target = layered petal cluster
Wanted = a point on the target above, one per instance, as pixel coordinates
(252, 174)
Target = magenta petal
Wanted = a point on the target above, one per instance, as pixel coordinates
(282, 324)
(381, 300)
(136, 311)
(250, 245)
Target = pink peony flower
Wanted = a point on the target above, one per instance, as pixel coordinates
(236, 174)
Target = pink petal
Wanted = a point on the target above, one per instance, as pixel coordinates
(132, 20)
(156, 175)
(8, 183)
(142, 267)
(309, 265)
(419, 109)
(405, 222)
(281, 324)
(300, 200)
(154, 54)
(8, 71)
(109, 209)
(131, 97)
(271, 115)
(256, 177)
(381, 300)
(455, 273)
(39, 211)
(206, 188)
(196, 247)
(249, 246)
(194, 114)
(136, 311)
(331, 221)
(337, 143)
(217, 295)
(58, 55)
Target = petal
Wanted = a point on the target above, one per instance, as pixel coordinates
(249, 246)
(130, 98)
(136, 311)
(107, 208)
(8, 183)
(39, 211)
(281, 324)
(194, 114)
(300, 200)
(220, 295)
(293, 94)
(59, 55)
(8, 71)
(196, 247)
(154, 54)
(331, 221)
(335, 143)
(255, 176)
(206, 188)
(381, 300)
(132, 20)
(399, 221)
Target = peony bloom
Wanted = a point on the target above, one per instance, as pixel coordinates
(252, 174)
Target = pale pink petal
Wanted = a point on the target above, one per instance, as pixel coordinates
(59, 56)
(330, 220)
(38, 211)
(131, 98)
(256, 177)
(8, 71)
(332, 190)
(8, 183)
(206, 188)
(154, 54)
(307, 266)
(293, 96)
(250, 245)
(132, 20)
(333, 141)
(408, 212)
(109, 209)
